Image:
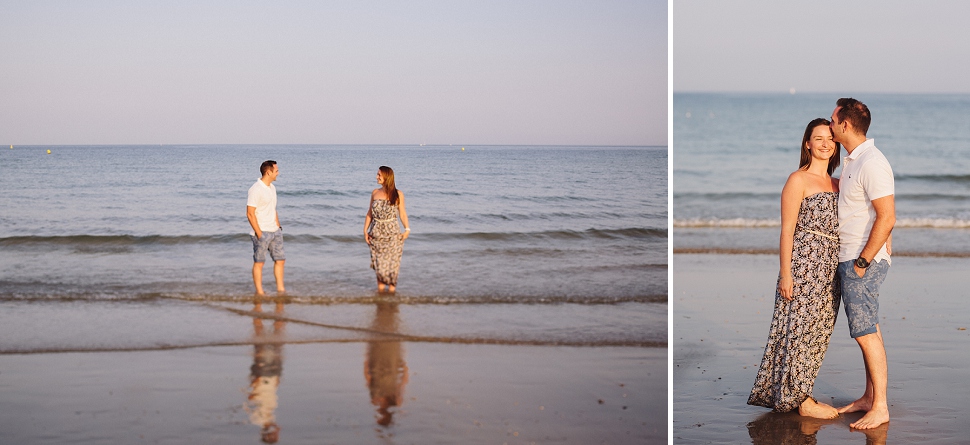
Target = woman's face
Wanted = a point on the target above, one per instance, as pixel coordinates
(821, 145)
(380, 178)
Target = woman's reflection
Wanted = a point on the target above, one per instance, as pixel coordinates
(265, 373)
(385, 371)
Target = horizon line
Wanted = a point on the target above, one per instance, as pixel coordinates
(330, 145)
(814, 92)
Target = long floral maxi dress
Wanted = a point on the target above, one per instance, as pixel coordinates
(386, 245)
(801, 329)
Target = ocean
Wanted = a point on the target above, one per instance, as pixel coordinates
(733, 153)
(509, 244)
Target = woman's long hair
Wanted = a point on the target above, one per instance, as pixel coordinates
(807, 155)
(389, 189)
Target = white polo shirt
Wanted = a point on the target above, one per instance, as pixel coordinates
(866, 175)
(263, 197)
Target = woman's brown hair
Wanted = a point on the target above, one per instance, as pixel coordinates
(807, 156)
(389, 189)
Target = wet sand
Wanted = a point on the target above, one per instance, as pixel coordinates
(722, 308)
(348, 386)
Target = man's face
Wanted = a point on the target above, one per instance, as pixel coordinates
(837, 126)
(273, 172)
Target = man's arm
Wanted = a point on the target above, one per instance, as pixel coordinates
(251, 216)
(882, 228)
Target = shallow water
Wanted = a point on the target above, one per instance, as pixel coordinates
(134, 232)
(734, 153)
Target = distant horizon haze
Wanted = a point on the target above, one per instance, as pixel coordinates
(542, 72)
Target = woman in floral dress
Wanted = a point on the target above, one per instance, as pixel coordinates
(807, 296)
(382, 232)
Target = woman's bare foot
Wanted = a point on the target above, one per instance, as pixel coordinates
(863, 404)
(811, 408)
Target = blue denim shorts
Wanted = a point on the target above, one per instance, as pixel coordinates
(271, 242)
(861, 296)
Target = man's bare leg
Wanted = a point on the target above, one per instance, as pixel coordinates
(811, 408)
(864, 403)
(877, 374)
(278, 273)
(258, 278)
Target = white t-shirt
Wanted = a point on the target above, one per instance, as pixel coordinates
(866, 175)
(263, 400)
(263, 197)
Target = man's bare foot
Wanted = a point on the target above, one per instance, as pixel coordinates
(280, 291)
(811, 408)
(874, 418)
(863, 404)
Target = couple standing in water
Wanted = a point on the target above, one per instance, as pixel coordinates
(381, 230)
(835, 246)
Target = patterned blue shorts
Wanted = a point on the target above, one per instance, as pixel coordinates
(272, 242)
(861, 296)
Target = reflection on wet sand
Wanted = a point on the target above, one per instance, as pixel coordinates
(385, 371)
(791, 429)
(265, 373)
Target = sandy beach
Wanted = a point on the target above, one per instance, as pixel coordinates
(171, 381)
(722, 309)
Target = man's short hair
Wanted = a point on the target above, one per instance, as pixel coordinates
(855, 112)
(267, 165)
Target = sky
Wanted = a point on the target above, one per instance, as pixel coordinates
(874, 46)
(542, 72)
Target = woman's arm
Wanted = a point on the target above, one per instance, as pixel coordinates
(404, 215)
(368, 218)
(791, 200)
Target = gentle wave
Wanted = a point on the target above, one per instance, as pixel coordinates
(934, 178)
(409, 339)
(632, 233)
(750, 223)
(325, 300)
(320, 193)
(722, 196)
(743, 251)
(922, 197)
(82, 241)
(697, 223)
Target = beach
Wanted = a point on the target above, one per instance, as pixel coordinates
(166, 382)
(722, 307)
(531, 304)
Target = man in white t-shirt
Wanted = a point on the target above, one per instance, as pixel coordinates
(867, 214)
(267, 234)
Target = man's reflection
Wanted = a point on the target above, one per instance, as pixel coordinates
(265, 373)
(385, 371)
(792, 429)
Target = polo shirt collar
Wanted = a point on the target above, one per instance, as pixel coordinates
(862, 148)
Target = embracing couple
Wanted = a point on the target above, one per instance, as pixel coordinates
(835, 246)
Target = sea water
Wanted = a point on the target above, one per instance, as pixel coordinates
(732, 154)
(559, 245)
